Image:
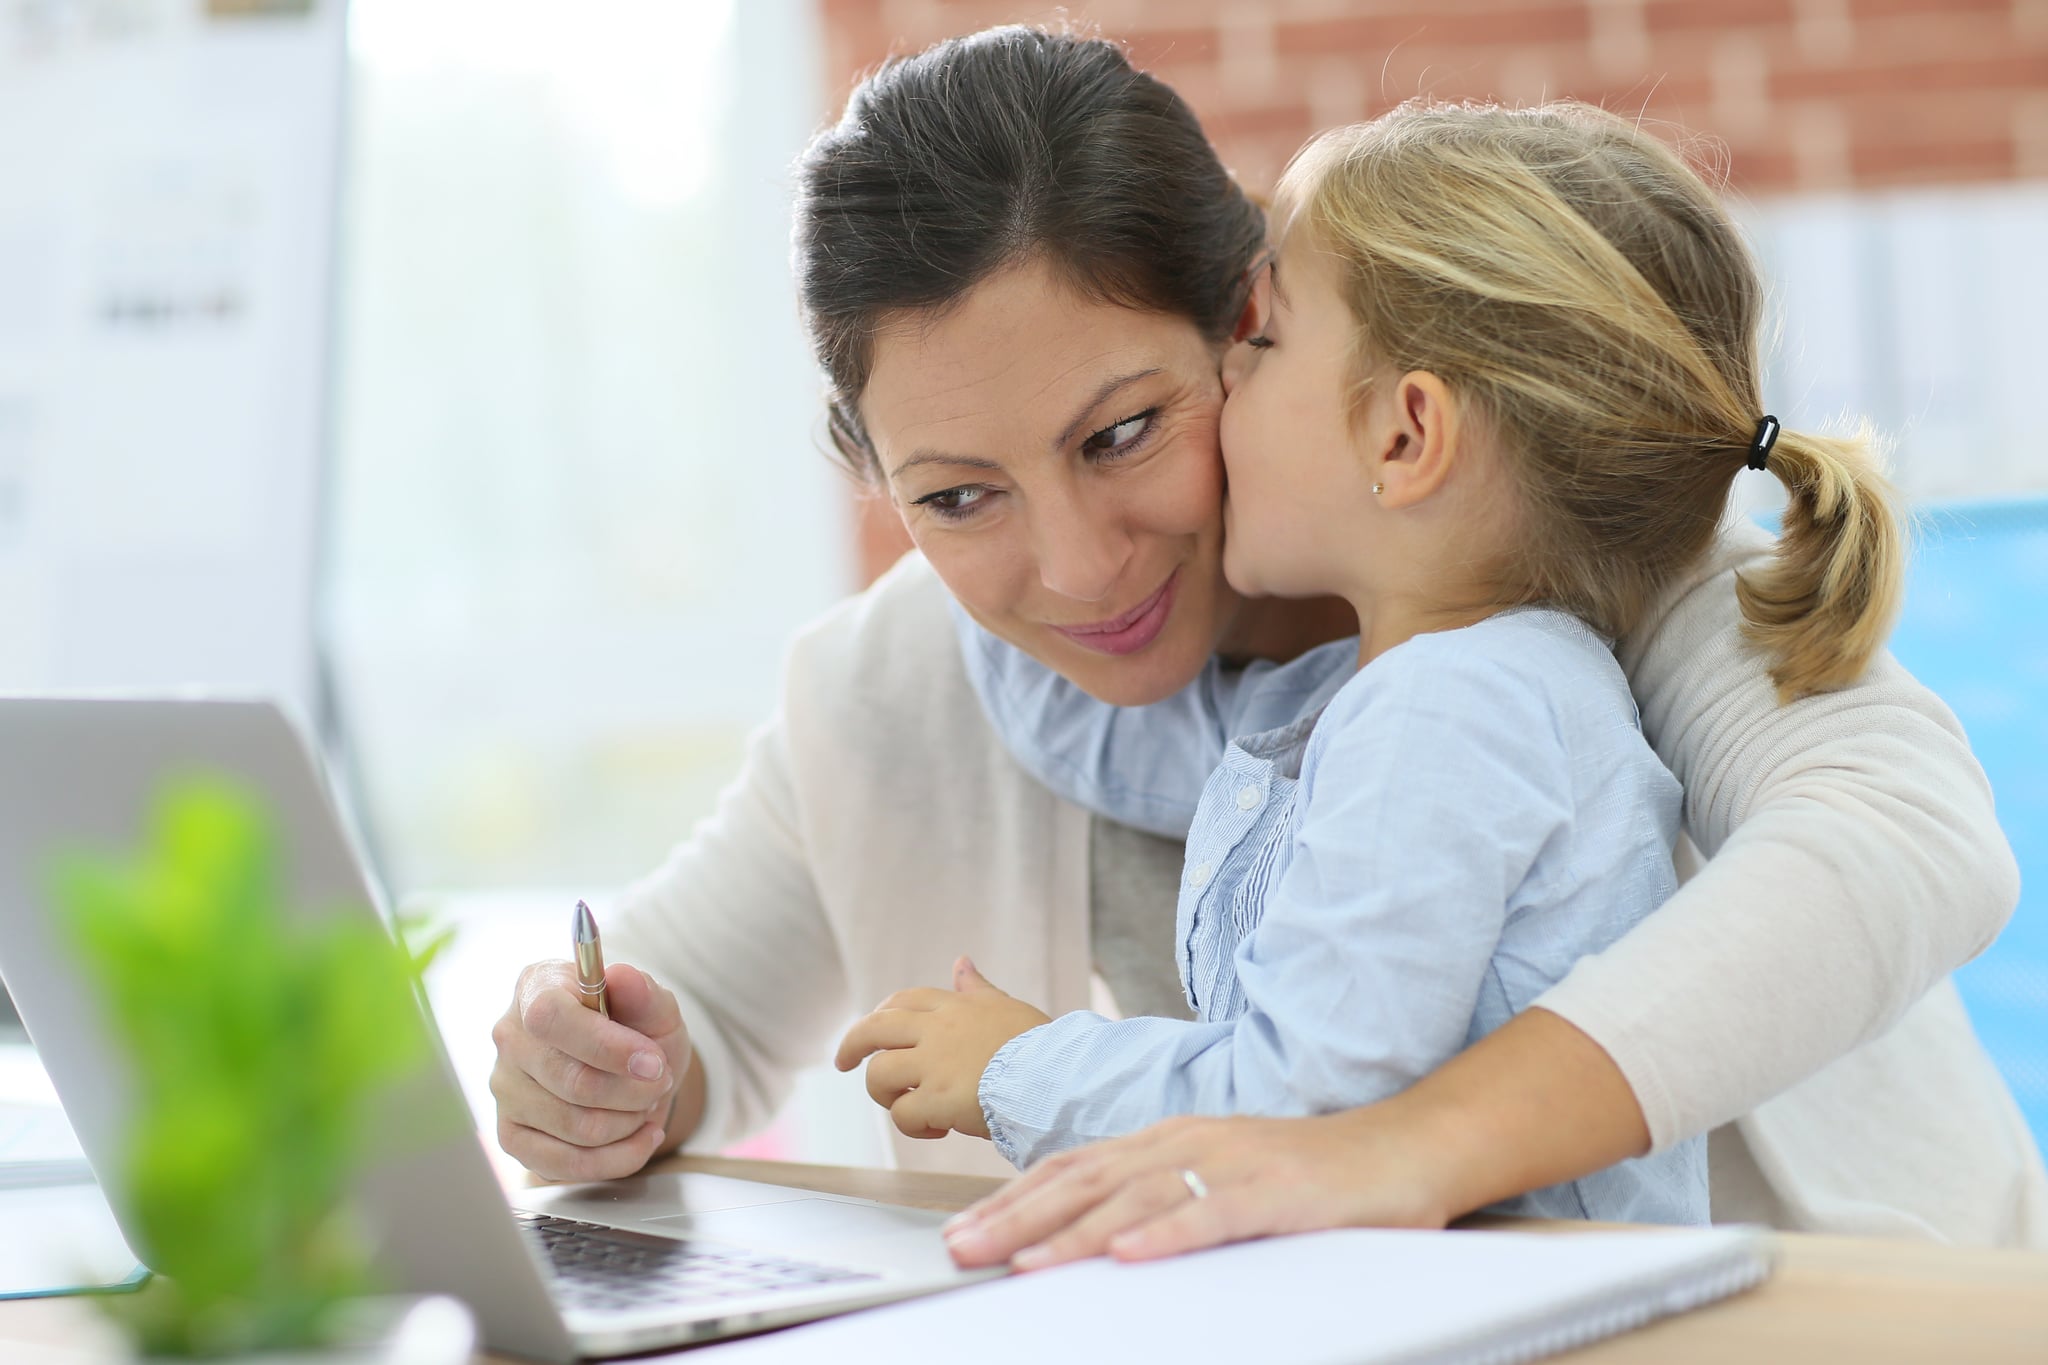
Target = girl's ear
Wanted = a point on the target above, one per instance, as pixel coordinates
(1418, 439)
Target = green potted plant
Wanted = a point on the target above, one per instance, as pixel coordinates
(259, 1039)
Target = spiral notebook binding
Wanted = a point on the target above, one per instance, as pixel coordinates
(1745, 1269)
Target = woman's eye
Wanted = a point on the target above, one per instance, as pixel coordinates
(954, 504)
(1259, 341)
(1121, 438)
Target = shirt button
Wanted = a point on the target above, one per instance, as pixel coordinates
(1247, 797)
(1198, 875)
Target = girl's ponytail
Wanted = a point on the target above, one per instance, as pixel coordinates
(1822, 608)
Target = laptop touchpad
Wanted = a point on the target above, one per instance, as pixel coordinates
(799, 1223)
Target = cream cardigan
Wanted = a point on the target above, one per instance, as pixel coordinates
(1792, 996)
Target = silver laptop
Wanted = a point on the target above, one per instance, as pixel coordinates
(551, 1273)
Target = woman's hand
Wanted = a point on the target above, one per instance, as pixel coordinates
(1129, 1197)
(1533, 1103)
(930, 1048)
(580, 1096)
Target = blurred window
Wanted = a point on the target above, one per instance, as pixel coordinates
(579, 501)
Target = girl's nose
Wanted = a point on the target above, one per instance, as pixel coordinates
(1236, 361)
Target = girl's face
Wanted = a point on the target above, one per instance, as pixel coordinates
(1055, 459)
(1300, 490)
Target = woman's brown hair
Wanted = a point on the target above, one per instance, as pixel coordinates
(1011, 144)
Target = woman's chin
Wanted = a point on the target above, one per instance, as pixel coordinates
(1149, 675)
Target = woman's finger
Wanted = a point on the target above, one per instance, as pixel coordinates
(1133, 1202)
(1049, 1197)
(1228, 1216)
(524, 1101)
(554, 1159)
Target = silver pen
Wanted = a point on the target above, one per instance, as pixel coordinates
(589, 961)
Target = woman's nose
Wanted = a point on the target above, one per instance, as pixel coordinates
(1081, 553)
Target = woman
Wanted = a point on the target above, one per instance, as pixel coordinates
(1020, 264)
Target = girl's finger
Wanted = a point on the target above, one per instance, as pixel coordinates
(911, 1115)
(890, 1075)
(885, 1028)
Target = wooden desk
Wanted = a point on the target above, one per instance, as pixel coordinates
(1832, 1298)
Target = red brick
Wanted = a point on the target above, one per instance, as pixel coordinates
(1156, 49)
(1383, 32)
(1924, 38)
(1904, 163)
(2017, 72)
(1762, 170)
(1862, 11)
(1901, 54)
(1254, 123)
(1960, 117)
(1665, 16)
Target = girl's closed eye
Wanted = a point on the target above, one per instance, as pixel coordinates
(1258, 341)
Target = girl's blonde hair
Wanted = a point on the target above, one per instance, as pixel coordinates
(1571, 275)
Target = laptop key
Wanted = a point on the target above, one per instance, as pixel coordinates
(608, 1268)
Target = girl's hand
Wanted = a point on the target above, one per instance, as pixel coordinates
(930, 1048)
(1128, 1197)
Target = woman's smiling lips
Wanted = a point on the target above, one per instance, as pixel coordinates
(1132, 631)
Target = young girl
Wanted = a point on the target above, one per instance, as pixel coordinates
(1508, 375)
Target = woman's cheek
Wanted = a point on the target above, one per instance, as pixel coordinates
(1193, 495)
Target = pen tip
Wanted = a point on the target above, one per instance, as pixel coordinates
(584, 927)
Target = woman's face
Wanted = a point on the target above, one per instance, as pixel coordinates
(1055, 458)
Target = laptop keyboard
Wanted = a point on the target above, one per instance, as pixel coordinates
(610, 1268)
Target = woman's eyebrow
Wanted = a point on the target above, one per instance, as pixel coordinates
(1102, 394)
(941, 457)
(1273, 278)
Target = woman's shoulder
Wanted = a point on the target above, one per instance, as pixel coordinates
(895, 630)
(883, 660)
(1698, 614)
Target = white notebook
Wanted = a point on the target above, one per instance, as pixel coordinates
(1346, 1297)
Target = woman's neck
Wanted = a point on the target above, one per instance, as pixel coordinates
(1281, 628)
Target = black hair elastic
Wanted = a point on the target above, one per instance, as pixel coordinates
(1761, 443)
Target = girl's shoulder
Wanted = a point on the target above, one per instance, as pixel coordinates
(1526, 664)
(1535, 644)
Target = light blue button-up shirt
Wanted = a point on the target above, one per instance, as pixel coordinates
(1383, 865)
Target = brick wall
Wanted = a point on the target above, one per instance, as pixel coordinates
(1805, 95)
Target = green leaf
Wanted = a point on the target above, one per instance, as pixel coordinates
(260, 1040)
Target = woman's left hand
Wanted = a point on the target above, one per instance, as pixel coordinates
(1133, 1198)
(930, 1048)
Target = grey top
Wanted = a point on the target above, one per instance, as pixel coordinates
(1130, 924)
